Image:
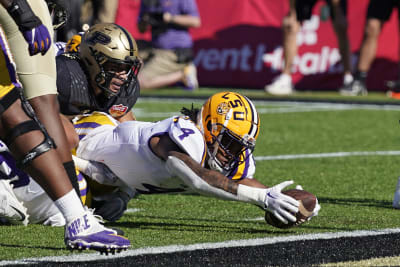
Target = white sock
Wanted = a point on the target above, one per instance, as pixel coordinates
(70, 206)
(347, 79)
(286, 77)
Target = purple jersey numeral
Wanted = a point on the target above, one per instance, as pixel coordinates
(186, 132)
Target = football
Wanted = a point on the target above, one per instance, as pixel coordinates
(307, 205)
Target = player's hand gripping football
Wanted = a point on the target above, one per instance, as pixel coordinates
(282, 206)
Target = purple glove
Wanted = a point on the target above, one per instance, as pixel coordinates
(38, 40)
(31, 27)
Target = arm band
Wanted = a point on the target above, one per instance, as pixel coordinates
(251, 194)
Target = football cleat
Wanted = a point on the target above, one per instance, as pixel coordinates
(11, 210)
(88, 232)
(393, 94)
(282, 85)
(355, 88)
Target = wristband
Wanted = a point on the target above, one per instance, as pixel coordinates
(251, 194)
(23, 15)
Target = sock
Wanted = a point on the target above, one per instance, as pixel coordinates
(286, 77)
(71, 172)
(347, 79)
(70, 206)
(361, 76)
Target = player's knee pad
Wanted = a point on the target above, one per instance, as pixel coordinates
(21, 129)
(25, 127)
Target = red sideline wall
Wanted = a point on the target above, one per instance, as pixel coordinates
(239, 44)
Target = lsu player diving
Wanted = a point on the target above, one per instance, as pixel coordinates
(208, 151)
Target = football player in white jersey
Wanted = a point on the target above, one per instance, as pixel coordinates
(208, 151)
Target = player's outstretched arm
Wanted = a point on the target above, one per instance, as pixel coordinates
(213, 183)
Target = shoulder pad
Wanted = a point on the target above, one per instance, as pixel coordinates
(189, 138)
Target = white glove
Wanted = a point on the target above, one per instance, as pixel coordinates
(299, 187)
(96, 170)
(282, 206)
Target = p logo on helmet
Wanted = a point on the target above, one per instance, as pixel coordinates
(106, 49)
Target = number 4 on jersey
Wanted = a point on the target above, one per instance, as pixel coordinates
(186, 132)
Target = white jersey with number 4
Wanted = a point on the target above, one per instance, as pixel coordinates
(125, 149)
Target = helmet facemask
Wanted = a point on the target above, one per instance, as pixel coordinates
(232, 147)
(108, 69)
(107, 49)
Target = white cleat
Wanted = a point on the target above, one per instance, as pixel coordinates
(10, 208)
(88, 232)
(282, 85)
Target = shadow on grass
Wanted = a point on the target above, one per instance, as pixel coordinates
(30, 247)
(217, 225)
(185, 225)
(357, 202)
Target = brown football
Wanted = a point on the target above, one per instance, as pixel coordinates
(307, 205)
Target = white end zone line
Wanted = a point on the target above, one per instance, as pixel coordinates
(226, 244)
(272, 106)
(279, 104)
(329, 155)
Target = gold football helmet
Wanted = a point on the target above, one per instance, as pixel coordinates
(230, 124)
(108, 48)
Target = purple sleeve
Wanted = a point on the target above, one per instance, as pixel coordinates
(189, 7)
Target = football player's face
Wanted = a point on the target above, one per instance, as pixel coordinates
(223, 157)
(117, 81)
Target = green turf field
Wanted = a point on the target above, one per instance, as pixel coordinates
(355, 192)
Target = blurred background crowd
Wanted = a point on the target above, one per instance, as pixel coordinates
(245, 43)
